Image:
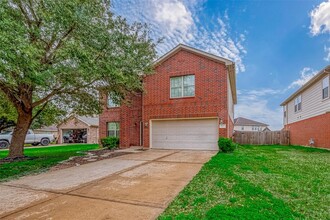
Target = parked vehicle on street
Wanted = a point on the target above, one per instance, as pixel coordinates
(31, 138)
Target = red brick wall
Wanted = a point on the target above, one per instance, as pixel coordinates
(210, 91)
(317, 128)
(129, 116)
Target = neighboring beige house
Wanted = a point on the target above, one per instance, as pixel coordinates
(244, 124)
(306, 113)
(79, 129)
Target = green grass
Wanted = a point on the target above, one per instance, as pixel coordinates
(258, 182)
(45, 158)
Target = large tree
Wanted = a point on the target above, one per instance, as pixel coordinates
(50, 114)
(63, 52)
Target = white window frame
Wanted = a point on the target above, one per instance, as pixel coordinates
(113, 105)
(116, 131)
(182, 86)
(325, 80)
(297, 101)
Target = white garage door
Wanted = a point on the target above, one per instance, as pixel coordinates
(197, 134)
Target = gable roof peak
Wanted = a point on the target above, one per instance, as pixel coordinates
(230, 65)
(181, 46)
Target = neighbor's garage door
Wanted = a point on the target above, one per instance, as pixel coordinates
(197, 134)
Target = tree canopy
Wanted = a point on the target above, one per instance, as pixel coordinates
(50, 115)
(63, 53)
(8, 113)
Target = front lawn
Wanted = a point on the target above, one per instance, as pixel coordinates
(258, 182)
(44, 159)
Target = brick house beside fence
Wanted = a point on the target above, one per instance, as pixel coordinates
(187, 104)
(306, 113)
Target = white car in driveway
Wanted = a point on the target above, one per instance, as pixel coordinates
(31, 138)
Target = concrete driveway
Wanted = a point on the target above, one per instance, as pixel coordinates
(133, 186)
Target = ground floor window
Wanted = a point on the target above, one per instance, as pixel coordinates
(113, 129)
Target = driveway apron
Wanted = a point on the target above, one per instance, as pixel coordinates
(132, 186)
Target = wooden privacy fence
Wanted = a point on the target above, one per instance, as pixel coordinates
(262, 137)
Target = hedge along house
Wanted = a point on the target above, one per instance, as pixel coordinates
(79, 129)
(306, 113)
(187, 104)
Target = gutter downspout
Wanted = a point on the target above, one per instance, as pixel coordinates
(141, 127)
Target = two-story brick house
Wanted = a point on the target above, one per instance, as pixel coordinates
(187, 104)
(307, 112)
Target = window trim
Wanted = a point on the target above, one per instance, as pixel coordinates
(294, 102)
(182, 87)
(114, 106)
(326, 87)
(116, 131)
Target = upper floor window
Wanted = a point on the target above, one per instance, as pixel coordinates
(325, 88)
(297, 104)
(183, 86)
(255, 128)
(111, 103)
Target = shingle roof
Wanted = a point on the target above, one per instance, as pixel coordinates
(247, 122)
(185, 47)
(91, 121)
(317, 77)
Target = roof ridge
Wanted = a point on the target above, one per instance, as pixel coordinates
(248, 122)
(309, 83)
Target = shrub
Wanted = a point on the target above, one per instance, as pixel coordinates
(226, 145)
(110, 142)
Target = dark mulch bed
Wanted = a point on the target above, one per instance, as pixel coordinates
(15, 159)
(90, 157)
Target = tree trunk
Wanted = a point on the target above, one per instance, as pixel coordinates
(24, 121)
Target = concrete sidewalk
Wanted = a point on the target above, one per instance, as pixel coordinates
(132, 186)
